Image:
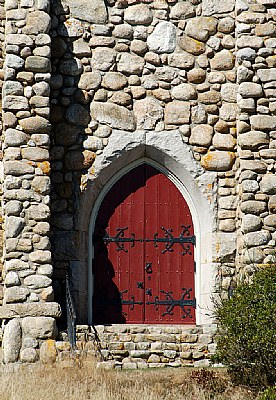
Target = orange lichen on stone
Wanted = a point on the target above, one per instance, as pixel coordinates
(48, 352)
(45, 167)
(218, 160)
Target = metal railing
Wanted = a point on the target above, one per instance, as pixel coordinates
(71, 316)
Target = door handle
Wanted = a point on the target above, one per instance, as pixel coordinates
(148, 268)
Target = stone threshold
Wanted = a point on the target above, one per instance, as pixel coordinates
(133, 346)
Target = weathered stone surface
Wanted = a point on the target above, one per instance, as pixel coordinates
(15, 103)
(77, 114)
(71, 28)
(71, 67)
(210, 97)
(131, 64)
(113, 115)
(114, 81)
(177, 113)
(147, 113)
(18, 168)
(184, 91)
(218, 160)
(13, 207)
(196, 75)
(163, 38)
(19, 39)
(223, 141)
(226, 246)
(48, 352)
(66, 134)
(37, 281)
(267, 75)
(182, 10)
(28, 355)
(39, 327)
(181, 60)
(12, 279)
(228, 202)
(260, 122)
(37, 64)
(90, 80)
(41, 184)
(250, 186)
(229, 92)
(14, 226)
(93, 143)
(228, 111)
(37, 22)
(16, 294)
(210, 7)
(81, 48)
(14, 138)
(200, 28)
(103, 58)
(257, 238)
(16, 265)
(12, 88)
(93, 11)
(253, 207)
(223, 60)
(49, 309)
(201, 135)
(139, 14)
(191, 45)
(250, 89)
(12, 341)
(268, 184)
(252, 140)
(41, 257)
(35, 125)
(76, 160)
(40, 212)
(272, 204)
(251, 223)
(253, 165)
(270, 220)
(35, 153)
(124, 31)
(14, 61)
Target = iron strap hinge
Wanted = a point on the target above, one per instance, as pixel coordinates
(184, 239)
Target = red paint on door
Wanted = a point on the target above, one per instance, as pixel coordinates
(144, 252)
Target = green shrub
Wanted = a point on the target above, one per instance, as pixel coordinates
(268, 394)
(246, 341)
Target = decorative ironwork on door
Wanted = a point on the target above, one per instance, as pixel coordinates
(169, 240)
(144, 252)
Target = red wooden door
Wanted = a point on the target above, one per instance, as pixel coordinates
(143, 266)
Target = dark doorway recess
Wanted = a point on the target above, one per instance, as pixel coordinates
(144, 242)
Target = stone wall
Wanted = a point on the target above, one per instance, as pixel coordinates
(142, 67)
(256, 77)
(26, 108)
(2, 36)
(117, 77)
(138, 346)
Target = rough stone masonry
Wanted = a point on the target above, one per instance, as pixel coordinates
(86, 82)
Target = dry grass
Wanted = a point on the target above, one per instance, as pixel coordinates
(68, 381)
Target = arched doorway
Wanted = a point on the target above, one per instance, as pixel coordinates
(143, 265)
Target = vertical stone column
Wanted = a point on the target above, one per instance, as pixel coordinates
(256, 77)
(2, 39)
(28, 316)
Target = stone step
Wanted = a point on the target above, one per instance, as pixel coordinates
(143, 346)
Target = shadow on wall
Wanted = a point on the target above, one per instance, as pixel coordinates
(73, 149)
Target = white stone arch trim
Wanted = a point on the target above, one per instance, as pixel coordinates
(198, 188)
